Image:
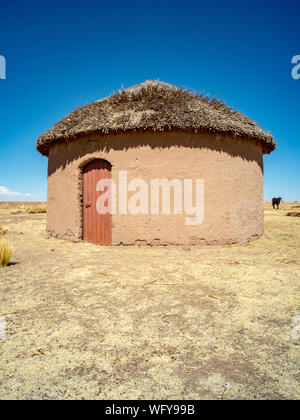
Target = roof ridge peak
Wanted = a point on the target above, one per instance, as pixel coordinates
(153, 83)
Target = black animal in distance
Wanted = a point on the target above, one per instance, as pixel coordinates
(276, 202)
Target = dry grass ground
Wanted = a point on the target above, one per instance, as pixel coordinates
(85, 321)
(2, 233)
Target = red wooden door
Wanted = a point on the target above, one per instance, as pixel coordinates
(96, 226)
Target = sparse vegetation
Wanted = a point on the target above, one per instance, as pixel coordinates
(293, 214)
(4, 206)
(151, 322)
(1, 229)
(5, 253)
(33, 209)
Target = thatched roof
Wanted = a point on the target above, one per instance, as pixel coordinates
(154, 106)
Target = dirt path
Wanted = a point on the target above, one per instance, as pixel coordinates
(140, 322)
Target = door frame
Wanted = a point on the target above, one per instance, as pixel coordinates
(81, 187)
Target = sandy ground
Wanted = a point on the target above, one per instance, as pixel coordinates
(140, 322)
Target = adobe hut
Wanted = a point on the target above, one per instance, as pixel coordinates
(156, 133)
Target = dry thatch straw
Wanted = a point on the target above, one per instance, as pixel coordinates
(5, 253)
(154, 106)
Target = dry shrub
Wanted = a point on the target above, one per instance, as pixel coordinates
(293, 214)
(5, 253)
(33, 209)
(36, 209)
(4, 206)
(1, 230)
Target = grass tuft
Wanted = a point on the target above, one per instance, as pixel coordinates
(5, 253)
(1, 230)
(33, 209)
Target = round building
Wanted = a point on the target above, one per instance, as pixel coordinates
(156, 165)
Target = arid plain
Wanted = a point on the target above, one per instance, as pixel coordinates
(85, 321)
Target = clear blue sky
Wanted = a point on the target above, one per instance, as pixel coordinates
(63, 54)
